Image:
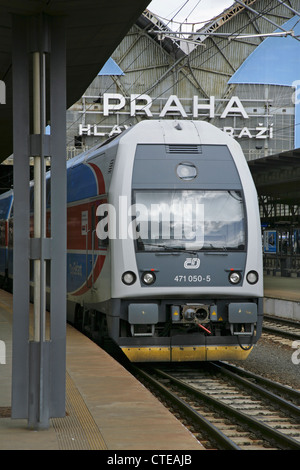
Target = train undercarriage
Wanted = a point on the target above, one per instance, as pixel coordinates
(175, 331)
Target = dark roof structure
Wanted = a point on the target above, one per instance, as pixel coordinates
(94, 28)
(278, 177)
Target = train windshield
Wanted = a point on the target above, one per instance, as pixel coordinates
(189, 220)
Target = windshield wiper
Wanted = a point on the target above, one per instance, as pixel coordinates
(172, 248)
(180, 248)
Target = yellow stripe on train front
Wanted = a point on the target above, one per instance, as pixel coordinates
(185, 353)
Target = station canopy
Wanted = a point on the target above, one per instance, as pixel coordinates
(93, 31)
(278, 177)
(274, 62)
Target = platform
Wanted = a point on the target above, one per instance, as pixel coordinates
(106, 407)
(282, 297)
(286, 288)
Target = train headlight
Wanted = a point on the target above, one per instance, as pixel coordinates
(129, 278)
(186, 171)
(252, 277)
(234, 277)
(148, 278)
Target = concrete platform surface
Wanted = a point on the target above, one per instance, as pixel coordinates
(284, 288)
(106, 407)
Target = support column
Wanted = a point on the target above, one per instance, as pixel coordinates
(20, 359)
(38, 386)
(58, 106)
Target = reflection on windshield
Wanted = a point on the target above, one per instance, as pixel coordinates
(189, 220)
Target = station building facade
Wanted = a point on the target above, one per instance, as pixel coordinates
(244, 86)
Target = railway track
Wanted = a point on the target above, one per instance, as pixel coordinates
(280, 329)
(227, 407)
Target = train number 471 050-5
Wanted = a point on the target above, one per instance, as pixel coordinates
(192, 278)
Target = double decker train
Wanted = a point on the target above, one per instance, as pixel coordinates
(164, 243)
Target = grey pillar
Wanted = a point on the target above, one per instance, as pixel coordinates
(20, 360)
(38, 380)
(58, 214)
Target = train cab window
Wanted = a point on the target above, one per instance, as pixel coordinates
(189, 220)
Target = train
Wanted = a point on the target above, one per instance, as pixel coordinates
(164, 246)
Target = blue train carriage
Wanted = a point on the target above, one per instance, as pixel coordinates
(88, 257)
(164, 244)
(6, 203)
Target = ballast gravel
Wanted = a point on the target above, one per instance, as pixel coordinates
(275, 361)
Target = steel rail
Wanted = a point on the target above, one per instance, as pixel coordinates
(255, 425)
(288, 392)
(283, 333)
(289, 407)
(278, 331)
(214, 433)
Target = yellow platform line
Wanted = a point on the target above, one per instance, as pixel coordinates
(77, 430)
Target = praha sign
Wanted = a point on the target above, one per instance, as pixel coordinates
(142, 104)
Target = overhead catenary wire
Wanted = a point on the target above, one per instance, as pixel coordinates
(194, 58)
(268, 8)
(179, 10)
(144, 50)
(168, 71)
(193, 9)
(289, 7)
(262, 16)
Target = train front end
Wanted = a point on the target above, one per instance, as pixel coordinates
(185, 245)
